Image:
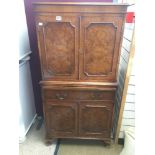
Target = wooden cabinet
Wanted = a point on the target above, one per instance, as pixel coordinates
(79, 54)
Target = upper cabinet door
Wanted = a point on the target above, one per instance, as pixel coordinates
(58, 45)
(99, 47)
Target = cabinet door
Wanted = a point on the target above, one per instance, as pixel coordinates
(95, 119)
(58, 45)
(61, 119)
(99, 46)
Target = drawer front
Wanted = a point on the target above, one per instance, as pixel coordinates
(79, 95)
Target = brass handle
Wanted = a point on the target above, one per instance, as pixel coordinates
(40, 24)
(96, 95)
(60, 96)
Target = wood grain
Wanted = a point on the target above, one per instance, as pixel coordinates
(61, 118)
(58, 47)
(99, 47)
(60, 41)
(98, 126)
(78, 95)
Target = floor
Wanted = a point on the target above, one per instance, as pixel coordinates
(35, 145)
(87, 147)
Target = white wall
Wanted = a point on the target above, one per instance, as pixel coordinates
(9, 94)
(27, 112)
(12, 28)
(24, 45)
(145, 78)
(14, 43)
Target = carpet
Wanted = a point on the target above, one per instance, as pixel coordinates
(86, 147)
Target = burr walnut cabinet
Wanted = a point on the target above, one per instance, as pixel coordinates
(79, 55)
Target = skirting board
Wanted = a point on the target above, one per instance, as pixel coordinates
(22, 139)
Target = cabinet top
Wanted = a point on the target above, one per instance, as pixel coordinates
(79, 7)
(81, 3)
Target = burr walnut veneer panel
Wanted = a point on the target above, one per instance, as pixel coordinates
(58, 47)
(100, 36)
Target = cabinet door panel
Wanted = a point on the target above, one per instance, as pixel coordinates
(100, 40)
(58, 43)
(61, 119)
(95, 119)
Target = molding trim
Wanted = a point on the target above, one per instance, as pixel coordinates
(25, 55)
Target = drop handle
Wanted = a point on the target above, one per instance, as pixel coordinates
(40, 24)
(61, 97)
(96, 95)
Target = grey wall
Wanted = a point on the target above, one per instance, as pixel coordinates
(128, 115)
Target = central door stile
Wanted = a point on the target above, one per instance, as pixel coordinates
(80, 46)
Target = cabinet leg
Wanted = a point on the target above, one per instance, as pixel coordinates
(48, 140)
(106, 143)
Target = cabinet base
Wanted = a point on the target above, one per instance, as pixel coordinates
(49, 141)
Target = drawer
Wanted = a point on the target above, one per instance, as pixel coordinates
(79, 94)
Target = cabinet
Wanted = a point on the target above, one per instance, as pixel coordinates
(79, 55)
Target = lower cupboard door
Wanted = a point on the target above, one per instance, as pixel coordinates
(95, 119)
(61, 119)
